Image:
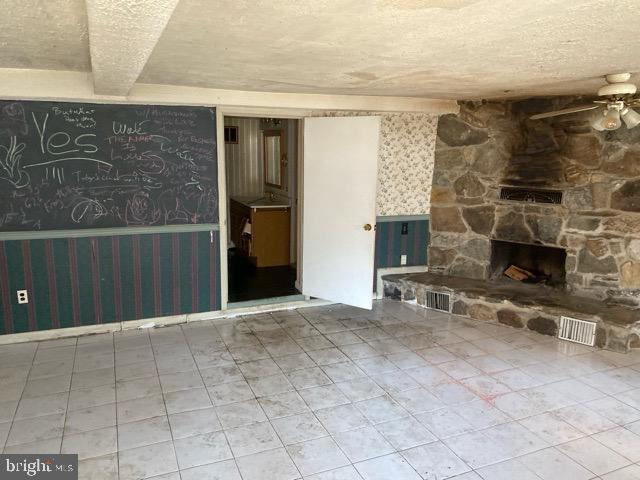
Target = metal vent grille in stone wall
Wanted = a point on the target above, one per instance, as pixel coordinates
(516, 194)
(578, 331)
(438, 301)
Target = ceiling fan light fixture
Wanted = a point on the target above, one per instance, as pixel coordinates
(611, 119)
(630, 117)
(609, 111)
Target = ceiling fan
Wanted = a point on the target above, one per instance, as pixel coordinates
(613, 108)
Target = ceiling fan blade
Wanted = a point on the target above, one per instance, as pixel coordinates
(564, 111)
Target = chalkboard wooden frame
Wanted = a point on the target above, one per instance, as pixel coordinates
(106, 167)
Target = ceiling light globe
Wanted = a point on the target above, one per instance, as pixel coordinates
(630, 117)
(611, 120)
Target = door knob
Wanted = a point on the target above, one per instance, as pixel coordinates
(367, 226)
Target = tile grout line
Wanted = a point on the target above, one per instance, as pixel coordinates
(115, 391)
(164, 402)
(548, 361)
(85, 388)
(329, 434)
(284, 447)
(256, 335)
(233, 457)
(115, 368)
(396, 451)
(15, 411)
(312, 412)
(272, 358)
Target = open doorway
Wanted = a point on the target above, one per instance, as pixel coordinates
(262, 201)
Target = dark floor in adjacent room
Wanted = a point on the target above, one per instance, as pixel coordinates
(246, 282)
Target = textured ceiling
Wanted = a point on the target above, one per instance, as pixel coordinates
(470, 49)
(455, 49)
(44, 34)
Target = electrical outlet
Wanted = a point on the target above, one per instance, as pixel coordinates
(404, 230)
(403, 259)
(23, 296)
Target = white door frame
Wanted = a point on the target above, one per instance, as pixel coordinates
(221, 112)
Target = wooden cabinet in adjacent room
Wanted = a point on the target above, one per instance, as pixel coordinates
(267, 244)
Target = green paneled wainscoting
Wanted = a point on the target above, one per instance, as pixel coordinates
(102, 279)
(391, 243)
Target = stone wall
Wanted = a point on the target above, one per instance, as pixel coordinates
(488, 145)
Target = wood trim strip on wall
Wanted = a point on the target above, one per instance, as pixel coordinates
(401, 218)
(107, 232)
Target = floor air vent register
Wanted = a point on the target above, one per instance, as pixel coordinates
(577, 331)
(438, 301)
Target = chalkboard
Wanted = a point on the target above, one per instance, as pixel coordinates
(72, 165)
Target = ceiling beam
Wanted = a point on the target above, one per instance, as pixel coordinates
(122, 35)
(56, 85)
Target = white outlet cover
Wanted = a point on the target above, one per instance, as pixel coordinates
(23, 296)
(403, 259)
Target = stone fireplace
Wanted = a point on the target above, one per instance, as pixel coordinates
(488, 147)
(552, 196)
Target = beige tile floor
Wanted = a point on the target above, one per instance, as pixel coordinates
(331, 393)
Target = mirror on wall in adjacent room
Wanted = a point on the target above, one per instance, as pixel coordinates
(273, 159)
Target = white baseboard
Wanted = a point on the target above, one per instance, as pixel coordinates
(157, 321)
(394, 270)
(274, 307)
(90, 329)
(58, 333)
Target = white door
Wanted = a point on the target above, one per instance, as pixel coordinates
(339, 208)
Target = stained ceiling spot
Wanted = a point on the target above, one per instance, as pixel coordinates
(363, 76)
(425, 4)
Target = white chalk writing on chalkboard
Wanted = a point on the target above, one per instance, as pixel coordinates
(66, 165)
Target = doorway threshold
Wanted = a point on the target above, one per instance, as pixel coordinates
(266, 301)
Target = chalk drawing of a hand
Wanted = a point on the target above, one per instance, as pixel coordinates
(10, 162)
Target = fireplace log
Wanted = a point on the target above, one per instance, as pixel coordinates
(517, 273)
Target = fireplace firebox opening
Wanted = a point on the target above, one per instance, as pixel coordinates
(545, 264)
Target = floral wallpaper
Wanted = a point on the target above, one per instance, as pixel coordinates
(405, 161)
